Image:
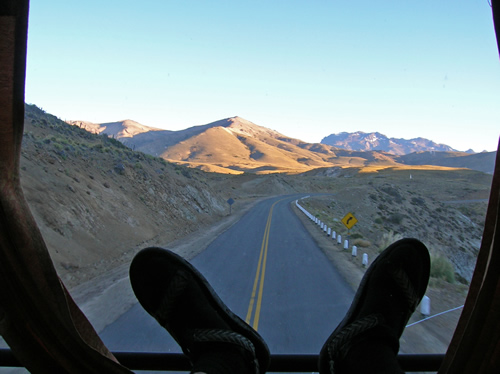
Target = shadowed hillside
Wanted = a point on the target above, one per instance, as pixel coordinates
(96, 200)
(484, 161)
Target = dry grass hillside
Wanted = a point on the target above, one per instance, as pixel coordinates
(223, 148)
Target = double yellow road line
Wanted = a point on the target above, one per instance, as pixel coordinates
(259, 276)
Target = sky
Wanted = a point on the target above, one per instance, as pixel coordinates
(306, 69)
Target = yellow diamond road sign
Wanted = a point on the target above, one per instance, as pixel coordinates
(349, 220)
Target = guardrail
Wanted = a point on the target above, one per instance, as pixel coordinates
(328, 230)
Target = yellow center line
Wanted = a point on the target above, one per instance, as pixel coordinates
(260, 274)
(259, 267)
(256, 281)
(261, 287)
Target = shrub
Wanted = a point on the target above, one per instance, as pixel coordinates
(382, 207)
(388, 238)
(392, 192)
(442, 268)
(418, 201)
(362, 243)
(396, 218)
(120, 168)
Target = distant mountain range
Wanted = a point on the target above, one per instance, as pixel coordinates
(375, 141)
(235, 145)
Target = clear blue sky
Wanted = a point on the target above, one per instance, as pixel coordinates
(305, 68)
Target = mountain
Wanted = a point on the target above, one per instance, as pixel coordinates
(232, 145)
(235, 145)
(117, 130)
(375, 141)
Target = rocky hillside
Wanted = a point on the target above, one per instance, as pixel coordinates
(96, 200)
(445, 209)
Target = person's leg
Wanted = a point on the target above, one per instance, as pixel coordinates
(367, 339)
(215, 340)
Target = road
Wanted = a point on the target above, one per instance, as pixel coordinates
(298, 296)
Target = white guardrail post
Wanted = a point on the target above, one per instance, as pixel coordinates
(354, 251)
(365, 260)
(328, 230)
(425, 306)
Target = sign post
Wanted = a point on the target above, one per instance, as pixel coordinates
(230, 202)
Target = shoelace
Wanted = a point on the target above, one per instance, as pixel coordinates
(403, 282)
(177, 285)
(339, 345)
(226, 336)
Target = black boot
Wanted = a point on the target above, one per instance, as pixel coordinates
(181, 300)
(367, 339)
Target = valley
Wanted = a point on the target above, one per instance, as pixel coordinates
(97, 202)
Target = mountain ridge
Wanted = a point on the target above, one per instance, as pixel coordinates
(235, 145)
(362, 141)
(119, 129)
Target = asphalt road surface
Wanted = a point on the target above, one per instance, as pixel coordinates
(270, 272)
